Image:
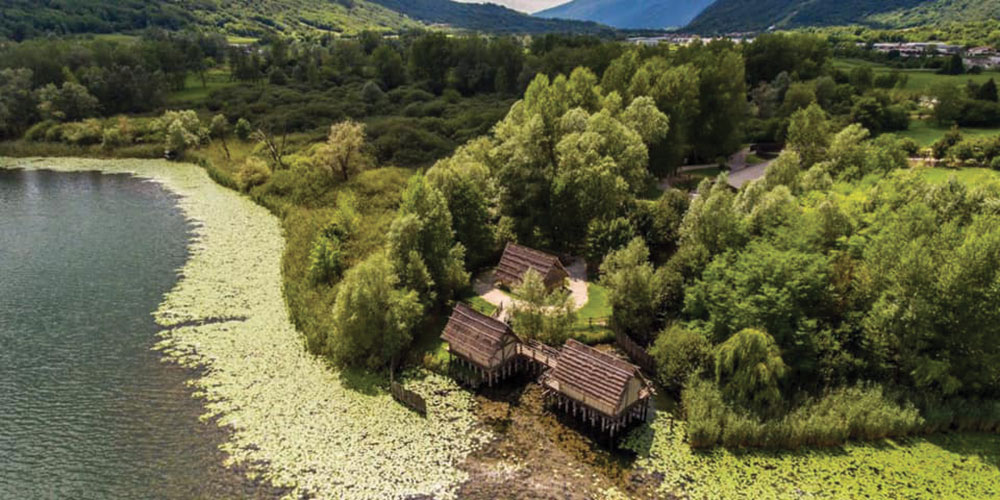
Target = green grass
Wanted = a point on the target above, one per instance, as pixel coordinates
(925, 132)
(970, 176)
(591, 320)
(241, 40)
(194, 91)
(480, 304)
(919, 79)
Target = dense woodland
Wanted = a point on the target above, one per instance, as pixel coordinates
(841, 296)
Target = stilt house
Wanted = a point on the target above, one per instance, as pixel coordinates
(486, 346)
(517, 260)
(600, 388)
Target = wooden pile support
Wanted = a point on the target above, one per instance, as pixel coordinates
(638, 412)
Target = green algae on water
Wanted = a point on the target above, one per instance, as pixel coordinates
(964, 465)
(296, 421)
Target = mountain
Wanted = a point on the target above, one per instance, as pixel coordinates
(30, 18)
(726, 16)
(20, 19)
(486, 17)
(638, 14)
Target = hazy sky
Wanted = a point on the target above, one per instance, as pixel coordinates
(522, 5)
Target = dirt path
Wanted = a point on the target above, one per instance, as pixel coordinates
(484, 286)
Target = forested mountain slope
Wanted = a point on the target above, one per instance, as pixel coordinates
(21, 19)
(485, 17)
(630, 13)
(758, 15)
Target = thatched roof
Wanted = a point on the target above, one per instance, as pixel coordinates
(475, 336)
(518, 259)
(600, 376)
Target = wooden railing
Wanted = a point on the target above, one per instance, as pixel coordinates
(636, 352)
(409, 398)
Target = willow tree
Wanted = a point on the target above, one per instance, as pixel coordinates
(749, 368)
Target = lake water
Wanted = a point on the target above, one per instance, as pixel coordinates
(87, 410)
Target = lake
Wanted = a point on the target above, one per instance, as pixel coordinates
(87, 409)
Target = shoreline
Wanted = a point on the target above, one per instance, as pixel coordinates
(295, 422)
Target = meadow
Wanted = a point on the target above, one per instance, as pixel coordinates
(918, 80)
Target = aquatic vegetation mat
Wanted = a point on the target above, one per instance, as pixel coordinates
(965, 465)
(296, 421)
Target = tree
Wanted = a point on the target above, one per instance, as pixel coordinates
(243, 129)
(679, 354)
(540, 315)
(749, 368)
(71, 102)
(373, 320)
(219, 129)
(17, 103)
(988, 91)
(344, 152)
(183, 130)
(634, 291)
(422, 244)
(809, 134)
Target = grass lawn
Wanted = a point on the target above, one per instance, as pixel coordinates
(970, 176)
(591, 320)
(241, 40)
(919, 79)
(193, 92)
(480, 304)
(926, 132)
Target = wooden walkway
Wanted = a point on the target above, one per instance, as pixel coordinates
(539, 353)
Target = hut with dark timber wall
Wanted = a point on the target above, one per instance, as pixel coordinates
(601, 389)
(517, 260)
(485, 346)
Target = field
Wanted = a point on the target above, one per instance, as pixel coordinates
(194, 92)
(969, 176)
(919, 79)
(926, 132)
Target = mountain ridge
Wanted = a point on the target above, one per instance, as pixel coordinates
(630, 14)
(725, 16)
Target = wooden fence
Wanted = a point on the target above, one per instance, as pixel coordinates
(409, 398)
(636, 352)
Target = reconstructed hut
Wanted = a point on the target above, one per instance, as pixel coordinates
(517, 260)
(602, 389)
(486, 346)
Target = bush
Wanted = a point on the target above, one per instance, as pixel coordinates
(858, 412)
(243, 129)
(679, 354)
(253, 172)
(83, 133)
(39, 131)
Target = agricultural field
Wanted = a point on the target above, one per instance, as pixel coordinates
(918, 79)
(926, 132)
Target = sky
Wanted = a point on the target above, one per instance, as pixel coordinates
(522, 5)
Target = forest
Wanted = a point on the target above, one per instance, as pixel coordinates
(841, 296)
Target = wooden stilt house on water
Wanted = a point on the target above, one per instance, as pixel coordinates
(484, 346)
(518, 259)
(601, 389)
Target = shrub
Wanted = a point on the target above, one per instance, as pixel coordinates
(243, 129)
(39, 131)
(679, 354)
(253, 172)
(83, 133)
